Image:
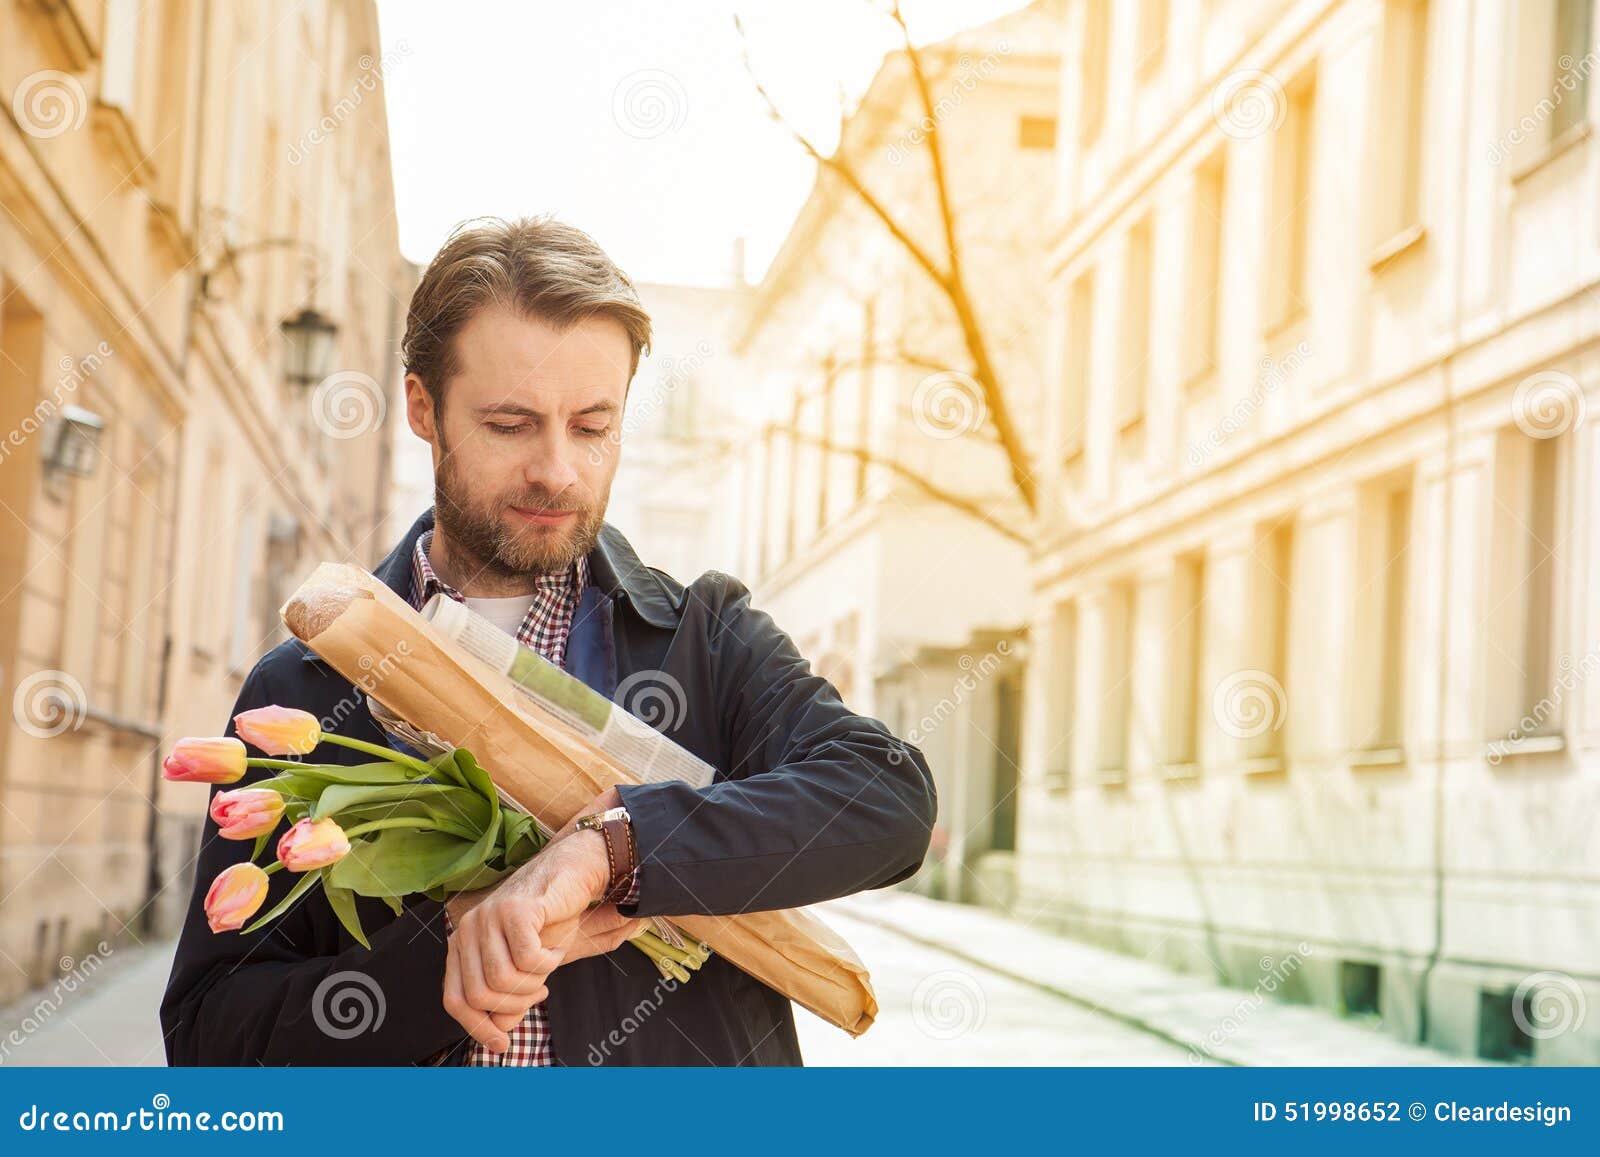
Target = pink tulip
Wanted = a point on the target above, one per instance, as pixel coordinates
(205, 761)
(279, 730)
(246, 813)
(234, 896)
(312, 844)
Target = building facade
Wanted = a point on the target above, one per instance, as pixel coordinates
(177, 180)
(1315, 627)
(858, 389)
(671, 493)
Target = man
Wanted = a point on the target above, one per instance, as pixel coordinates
(520, 344)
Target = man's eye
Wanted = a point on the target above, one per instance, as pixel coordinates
(592, 431)
(499, 428)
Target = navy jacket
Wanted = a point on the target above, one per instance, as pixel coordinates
(810, 802)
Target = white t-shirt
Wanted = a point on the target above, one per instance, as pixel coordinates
(507, 614)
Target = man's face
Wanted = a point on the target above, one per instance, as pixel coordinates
(526, 446)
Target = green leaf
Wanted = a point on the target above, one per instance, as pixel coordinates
(339, 797)
(380, 772)
(477, 779)
(261, 844)
(399, 862)
(302, 886)
(343, 903)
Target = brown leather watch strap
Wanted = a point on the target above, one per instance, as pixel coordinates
(618, 836)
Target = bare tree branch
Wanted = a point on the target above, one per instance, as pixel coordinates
(932, 489)
(949, 277)
(971, 330)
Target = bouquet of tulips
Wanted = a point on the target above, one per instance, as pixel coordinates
(388, 829)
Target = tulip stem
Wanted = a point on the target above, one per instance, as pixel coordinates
(386, 753)
(273, 867)
(285, 764)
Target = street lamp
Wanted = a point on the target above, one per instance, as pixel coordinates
(309, 339)
(72, 449)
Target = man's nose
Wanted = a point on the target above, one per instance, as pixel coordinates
(551, 468)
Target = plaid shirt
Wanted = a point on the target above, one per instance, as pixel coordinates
(545, 629)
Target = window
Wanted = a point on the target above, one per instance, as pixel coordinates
(1116, 689)
(1573, 37)
(864, 410)
(1186, 654)
(1062, 693)
(825, 456)
(1205, 267)
(1152, 35)
(119, 66)
(1397, 120)
(1135, 327)
(1521, 643)
(1381, 612)
(1080, 334)
(1096, 44)
(1272, 620)
(1036, 132)
(1290, 206)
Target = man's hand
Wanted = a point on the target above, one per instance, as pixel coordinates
(508, 939)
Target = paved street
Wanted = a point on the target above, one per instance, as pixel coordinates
(955, 986)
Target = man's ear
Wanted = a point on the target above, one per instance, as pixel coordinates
(419, 410)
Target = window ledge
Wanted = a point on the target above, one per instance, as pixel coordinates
(1497, 751)
(1201, 380)
(1265, 765)
(112, 122)
(1566, 142)
(1057, 781)
(1180, 772)
(1112, 777)
(1280, 331)
(1378, 757)
(1402, 242)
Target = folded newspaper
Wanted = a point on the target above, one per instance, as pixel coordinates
(550, 744)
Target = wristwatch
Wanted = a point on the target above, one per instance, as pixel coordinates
(616, 828)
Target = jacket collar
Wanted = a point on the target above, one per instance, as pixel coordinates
(614, 568)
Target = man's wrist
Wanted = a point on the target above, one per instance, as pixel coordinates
(615, 829)
(589, 848)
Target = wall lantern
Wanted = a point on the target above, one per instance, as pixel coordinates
(74, 444)
(308, 338)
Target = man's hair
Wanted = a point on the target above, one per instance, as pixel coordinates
(535, 266)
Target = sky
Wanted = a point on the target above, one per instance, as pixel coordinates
(634, 120)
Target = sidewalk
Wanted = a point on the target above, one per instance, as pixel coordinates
(109, 1021)
(1227, 1025)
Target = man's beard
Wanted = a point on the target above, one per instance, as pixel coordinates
(484, 543)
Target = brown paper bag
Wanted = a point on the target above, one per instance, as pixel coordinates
(375, 639)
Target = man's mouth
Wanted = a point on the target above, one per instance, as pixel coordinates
(538, 517)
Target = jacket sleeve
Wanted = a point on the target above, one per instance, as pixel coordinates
(292, 993)
(819, 802)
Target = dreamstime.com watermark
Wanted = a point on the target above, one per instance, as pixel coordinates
(1273, 376)
(160, 1117)
(1249, 703)
(1275, 974)
(973, 674)
(948, 1004)
(74, 373)
(632, 1021)
(75, 974)
(1571, 673)
(365, 85)
(373, 672)
(1571, 75)
(1549, 1004)
(966, 80)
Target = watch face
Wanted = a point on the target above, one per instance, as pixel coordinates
(616, 813)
